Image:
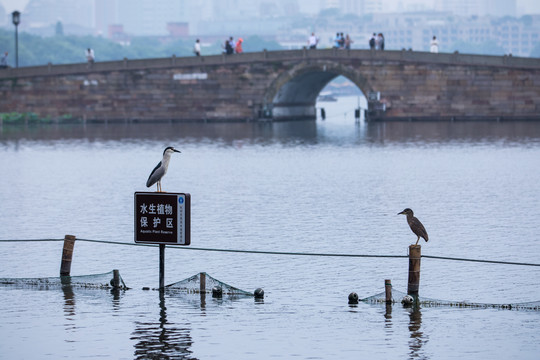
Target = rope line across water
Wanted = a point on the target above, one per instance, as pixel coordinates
(284, 252)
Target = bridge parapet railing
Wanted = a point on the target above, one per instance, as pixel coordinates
(322, 54)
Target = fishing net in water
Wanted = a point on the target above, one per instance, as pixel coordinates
(95, 281)
(397, 297)
(204, 283)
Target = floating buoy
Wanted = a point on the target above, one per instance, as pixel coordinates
(217, 292)
(353, 298)
(407, 300)
(259, 293)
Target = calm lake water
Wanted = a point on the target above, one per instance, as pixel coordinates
(328, 186)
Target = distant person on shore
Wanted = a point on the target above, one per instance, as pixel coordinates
(90, 56)
(434, 46)
(238, 49)
(3, 61)
(197, 48)
(372, 42)
(313, 41)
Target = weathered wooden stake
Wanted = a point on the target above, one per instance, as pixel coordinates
(116, 279)
(161, 266)
(414, 270)
(67, 254)
(202, 283)
(388, 290)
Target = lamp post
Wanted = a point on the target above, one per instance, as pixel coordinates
(16, 18)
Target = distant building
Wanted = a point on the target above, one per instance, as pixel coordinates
(3, 16)
(496, 8)
(178, 29)
(415, 31)
(43, 13)
(116, 33)
(356, 7)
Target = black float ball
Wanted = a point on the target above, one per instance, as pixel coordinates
(353, 298)
(217, 292)
(259, 293)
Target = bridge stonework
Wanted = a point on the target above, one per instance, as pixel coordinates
(275, 86)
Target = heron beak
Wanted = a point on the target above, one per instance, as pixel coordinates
(400, 213)
(176, 150)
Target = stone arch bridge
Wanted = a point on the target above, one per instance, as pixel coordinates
(277, 85)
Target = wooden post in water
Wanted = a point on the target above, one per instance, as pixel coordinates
(116, 279)
(388, 291)
(202, 283)
(67, 254)
(161, 267)
(414, 270)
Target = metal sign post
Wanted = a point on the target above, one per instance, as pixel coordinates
(164, 219)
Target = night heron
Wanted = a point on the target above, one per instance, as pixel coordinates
(415, 225)
(161, 169)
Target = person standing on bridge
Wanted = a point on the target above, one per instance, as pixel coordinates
(90, 56)
(434, 46)
(197, 48)
(313, 41)
(379, 42)
(232, 43)
(372, 42)
(348, 42)
(341, 41)
(336, 41)
(228, 48)
(3, 61)
(238, 48)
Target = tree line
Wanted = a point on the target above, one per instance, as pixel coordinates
(35, 50)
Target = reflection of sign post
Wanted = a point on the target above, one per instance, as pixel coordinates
(164, 219)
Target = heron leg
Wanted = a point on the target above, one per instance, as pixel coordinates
(158, 185)
(417, 240)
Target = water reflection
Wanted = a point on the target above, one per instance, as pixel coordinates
(292, 132)
(162, 339)
(388, 322)
(69, 303)
(116, 298)
(417, 338)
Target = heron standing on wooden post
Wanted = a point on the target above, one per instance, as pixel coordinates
(415, 225)
(161, 169)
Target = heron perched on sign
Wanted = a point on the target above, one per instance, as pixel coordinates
(415, 225)
(161, 169)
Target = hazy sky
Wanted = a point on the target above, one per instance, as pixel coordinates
(523, 6)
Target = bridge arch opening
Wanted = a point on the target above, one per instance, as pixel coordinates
(293, 95)
(341, 98)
